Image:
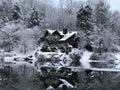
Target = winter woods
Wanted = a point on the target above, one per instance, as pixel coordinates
(23, 23)
(59, 33)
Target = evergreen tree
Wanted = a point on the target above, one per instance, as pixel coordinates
(16, 12)
(34, 19)
(5, 11)
(101, 14)
(103, 25)
(84, 19)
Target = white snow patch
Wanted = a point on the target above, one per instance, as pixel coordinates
(117, 61)
(85, 59)
(117, 56)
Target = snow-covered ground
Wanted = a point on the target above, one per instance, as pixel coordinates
(118, 60)
(85, 59)
(117, 56)
(19, 59)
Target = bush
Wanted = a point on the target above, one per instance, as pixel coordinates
(75, 56)
(107, 60)
(45, 48)
(41, 59)
(94, 56)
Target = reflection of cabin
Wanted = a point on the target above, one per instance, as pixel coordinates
(57, 78)
(61, 37)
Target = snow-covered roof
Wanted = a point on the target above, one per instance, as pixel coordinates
(51, 31)
(65, 36)
(61, 33)
(66, 83)
(50, 88)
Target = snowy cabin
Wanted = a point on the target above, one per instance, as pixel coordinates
(61, 38)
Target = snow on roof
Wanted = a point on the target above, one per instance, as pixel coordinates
(67, 36)
(50, 88)
(51, 31)
(67, 83)
(61, 33)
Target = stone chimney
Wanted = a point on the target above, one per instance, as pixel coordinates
(65, 31)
